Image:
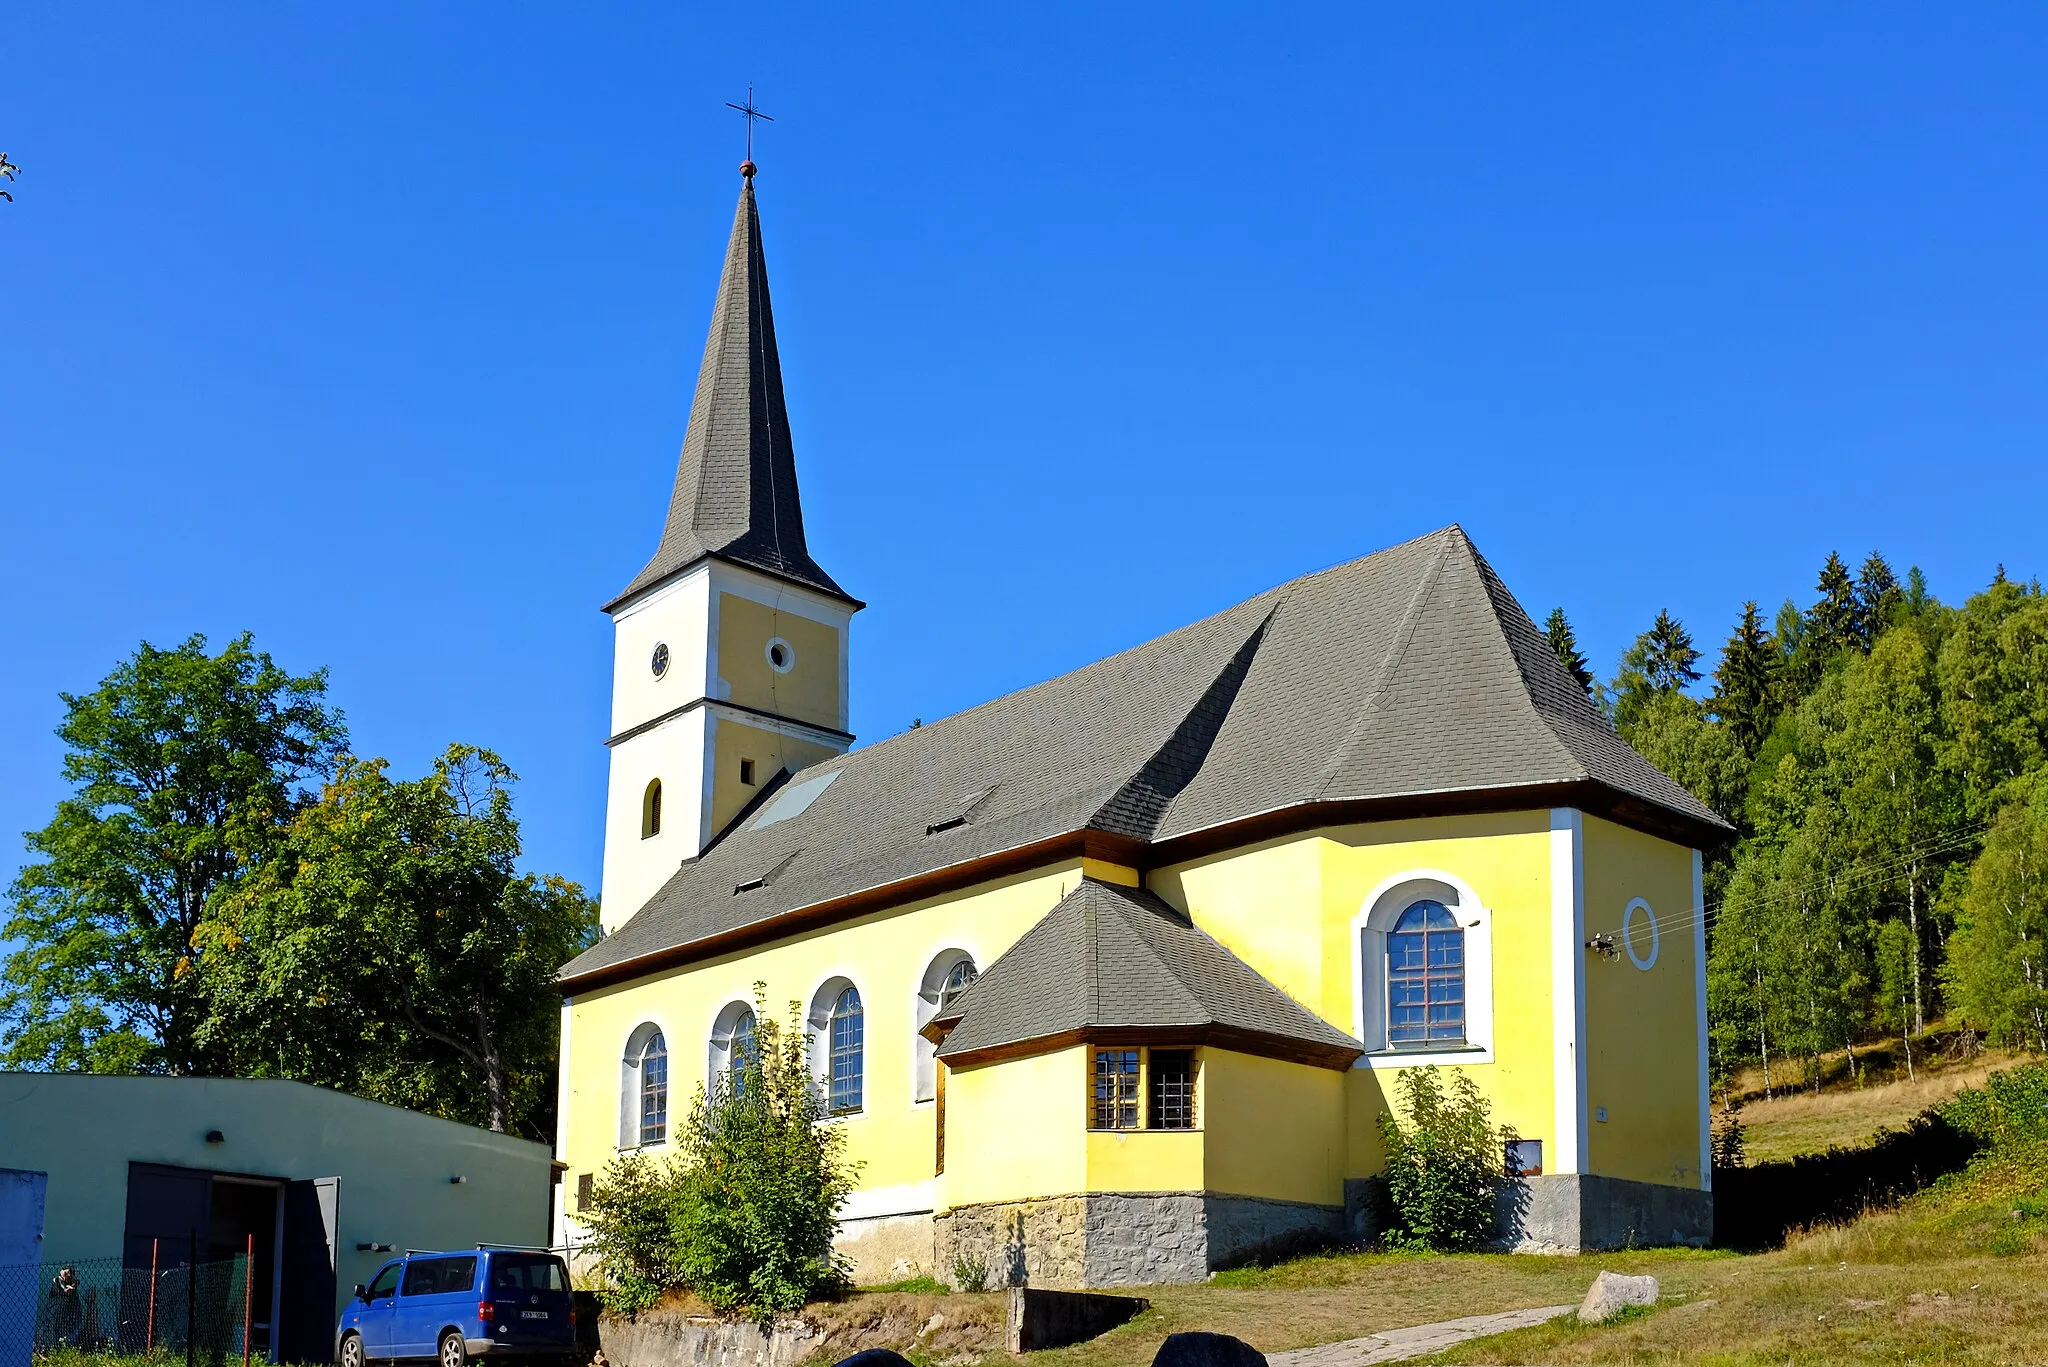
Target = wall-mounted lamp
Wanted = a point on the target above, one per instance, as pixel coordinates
(216, 1137)
(373, 1248)
(457, 1180)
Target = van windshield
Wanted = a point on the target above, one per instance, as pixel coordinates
(527, 1272)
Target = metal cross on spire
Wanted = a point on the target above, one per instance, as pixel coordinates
(751, 113)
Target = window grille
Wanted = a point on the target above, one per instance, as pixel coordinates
(958, 977)
(1171, 1103)
(1425, 978)
(654, 1091)
(848, 1036)
(586, 1190)
(1116, 1090)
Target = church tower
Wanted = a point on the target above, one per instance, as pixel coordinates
(730, 647)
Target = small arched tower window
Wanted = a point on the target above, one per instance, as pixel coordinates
(650, 810)
(643, 1088)
(1425, 977)
(945, 978)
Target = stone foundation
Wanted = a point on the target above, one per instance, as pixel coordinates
(1564, 1213)
(1100, 1240)
(887, 1248)
(1574, 1212)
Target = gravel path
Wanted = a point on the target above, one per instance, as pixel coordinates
(1399, 1345)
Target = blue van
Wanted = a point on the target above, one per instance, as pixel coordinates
(451, 1307)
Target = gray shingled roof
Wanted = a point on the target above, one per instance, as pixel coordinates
(1109, 957)
(735, 495)
(1409, 673)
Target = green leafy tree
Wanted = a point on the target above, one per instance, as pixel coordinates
(1663, 660)
(184, 765)
(389, 946)
(1883, 749)
(1675, 733)
(1993, 679)
(1898, 968)
(1558, 632)
(761, 1179)
(1997, 969)
(1834, 622)
(1444, 1162)
(1744, 689)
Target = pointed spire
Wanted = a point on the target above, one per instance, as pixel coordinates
(735, 493)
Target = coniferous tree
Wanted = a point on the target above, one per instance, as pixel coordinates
(1661, 662)
(1832, 625)
(1743, 686)
(1565, 646)
(1878, 599)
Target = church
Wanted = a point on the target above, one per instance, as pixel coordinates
(1110, 979)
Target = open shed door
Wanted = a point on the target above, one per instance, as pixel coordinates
(312, 1252)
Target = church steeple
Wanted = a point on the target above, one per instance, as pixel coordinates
(735, 494)
(729, 650)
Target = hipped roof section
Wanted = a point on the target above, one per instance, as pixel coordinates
(1407, 681)
(1110, 959)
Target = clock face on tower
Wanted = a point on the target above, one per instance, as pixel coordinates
(660, 659)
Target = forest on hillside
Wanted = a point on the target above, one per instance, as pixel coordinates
(1884, 759)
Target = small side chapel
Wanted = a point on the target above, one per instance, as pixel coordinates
(1108, 980)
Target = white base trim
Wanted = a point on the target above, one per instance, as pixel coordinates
(873, 1203)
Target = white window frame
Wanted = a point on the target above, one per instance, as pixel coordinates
(629, 1084)
(1376, 916)
(924, 1062)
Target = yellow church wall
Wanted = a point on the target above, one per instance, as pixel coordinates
(809, 691)
(1288, 908)
(1017, 1129)
(1642, 1031)
(884, 954)
(1271, 1129)
(733, 741)
(1144, 1160)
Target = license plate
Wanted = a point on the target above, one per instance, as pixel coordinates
(533, 1314)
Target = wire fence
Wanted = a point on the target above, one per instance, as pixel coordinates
(173, 1310)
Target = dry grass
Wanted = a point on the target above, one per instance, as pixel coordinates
(1804, 1122)
(1324, 1299)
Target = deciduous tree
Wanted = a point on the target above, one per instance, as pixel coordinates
(184, 766)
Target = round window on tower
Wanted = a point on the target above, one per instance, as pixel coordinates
(781, 655)
(660, 659)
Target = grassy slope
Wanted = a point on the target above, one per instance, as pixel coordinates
(1849, 1110)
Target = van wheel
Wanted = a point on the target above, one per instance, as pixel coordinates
(453, 1354)
(351, 1354)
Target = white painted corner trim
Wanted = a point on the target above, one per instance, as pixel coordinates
(1568, 988)
(1369, 926)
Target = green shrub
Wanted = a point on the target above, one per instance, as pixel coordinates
(631, 1219)
(1444, 1164)
(760, 1178)
(970, 1272)
(2011, 1105)
(745, 1212)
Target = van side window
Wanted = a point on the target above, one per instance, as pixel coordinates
(438, 1276)
(385, 1284)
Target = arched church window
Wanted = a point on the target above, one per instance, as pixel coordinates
(945, 978)
(1425, 977)
(650, 810)
(734, 1045)
(848, 1048)
(643, 1088)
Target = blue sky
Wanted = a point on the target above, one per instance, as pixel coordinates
(372, 328)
